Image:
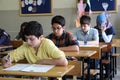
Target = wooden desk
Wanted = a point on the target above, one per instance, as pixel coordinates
(4, 78)
(116, 42)
(82, 54)
(3, 47)
(97, 48)
(5, 52)
(115, 45)
(57, 71)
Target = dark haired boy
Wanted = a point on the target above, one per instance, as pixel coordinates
(36, 49)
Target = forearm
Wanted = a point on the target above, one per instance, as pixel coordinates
(106, 38)
(60, 62)
(70, 48)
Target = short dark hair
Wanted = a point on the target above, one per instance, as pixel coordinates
(85, 19)
(22, 26)
(58, 19)
(33, 28)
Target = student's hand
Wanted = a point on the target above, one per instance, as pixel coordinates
(6, 62)
(39, 62)
(103, 29)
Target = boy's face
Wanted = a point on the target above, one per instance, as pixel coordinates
(57, 29)
(33, 41)
(85, 27)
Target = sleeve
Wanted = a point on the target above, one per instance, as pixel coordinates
(73, 40)
(75, 34)
(107, 38)
(17, 54)
(52, 50)
(96, 35)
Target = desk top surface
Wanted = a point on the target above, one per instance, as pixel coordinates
(100, 45)
(57, 71)
(3, 47)
(81, 53)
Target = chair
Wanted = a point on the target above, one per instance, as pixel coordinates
(115, 45)
(107, 61)
(16, 43)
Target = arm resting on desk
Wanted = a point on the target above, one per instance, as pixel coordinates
(70, 48)
(62, 61)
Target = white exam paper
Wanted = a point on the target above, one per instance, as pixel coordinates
(30, 68)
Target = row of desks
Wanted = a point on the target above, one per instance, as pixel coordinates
(60, 71)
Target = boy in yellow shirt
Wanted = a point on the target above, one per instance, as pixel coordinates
(36, 49)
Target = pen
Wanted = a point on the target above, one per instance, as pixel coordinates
(8, 57)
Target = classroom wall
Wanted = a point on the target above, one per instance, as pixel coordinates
(11, 21)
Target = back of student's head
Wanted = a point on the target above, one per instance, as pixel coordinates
(33, 28)
(2, 31)
(59, 20)
(101, 20)
(23, 26)
(85, 20)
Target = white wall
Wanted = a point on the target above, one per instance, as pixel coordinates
(9, 4)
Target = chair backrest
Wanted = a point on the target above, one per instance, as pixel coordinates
(77, 70)
(16, 43)
(93, 48)
(108, 48)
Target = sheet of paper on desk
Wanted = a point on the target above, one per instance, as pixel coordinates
(30, 67)
(17, 67)
(38, 68)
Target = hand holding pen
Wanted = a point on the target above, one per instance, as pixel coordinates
(6, 61)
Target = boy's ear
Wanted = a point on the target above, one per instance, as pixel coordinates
(41, 37)
(64, 27)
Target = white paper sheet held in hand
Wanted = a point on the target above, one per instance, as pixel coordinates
(30, 67)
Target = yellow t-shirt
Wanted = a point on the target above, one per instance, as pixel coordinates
(47, 50)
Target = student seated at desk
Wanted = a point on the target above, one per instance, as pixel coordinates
(36, 49)
(20, 35)
(105, 28)
(61, 38)
(106, 32)
(4, 39)
(86, 35)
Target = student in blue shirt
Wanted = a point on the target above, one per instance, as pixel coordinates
(85, 34)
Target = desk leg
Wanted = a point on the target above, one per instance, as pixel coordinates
(88, 70)
(101, 68)
(115, 61)
(101, 72)
(82, 78)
